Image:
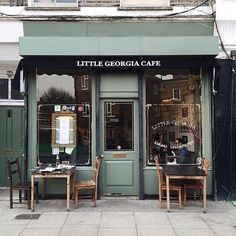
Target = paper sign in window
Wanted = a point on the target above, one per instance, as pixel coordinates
(63, 130)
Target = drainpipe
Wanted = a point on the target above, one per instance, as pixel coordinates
(141, 135)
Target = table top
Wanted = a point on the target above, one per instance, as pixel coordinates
(48, 170)
(183, 170)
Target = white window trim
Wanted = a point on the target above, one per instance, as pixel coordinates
(173, 94)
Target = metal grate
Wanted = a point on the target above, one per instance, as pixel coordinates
(27, 217)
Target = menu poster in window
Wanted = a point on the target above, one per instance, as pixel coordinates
(63, 130)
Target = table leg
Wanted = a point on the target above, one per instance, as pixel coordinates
(204, 195)
(43, 188)
(68, 193)
(168, 193)
(32, 193)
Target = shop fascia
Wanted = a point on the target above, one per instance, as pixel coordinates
(118, 63)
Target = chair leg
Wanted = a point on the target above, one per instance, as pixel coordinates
(76, 197)
(74, 194)
(37, 193)
(20, 196)
(95, 197)
(28, 197)
(195, 194)
(200, 195)
(185, 194)
(180, 200)
(11, 198)
(160, 198)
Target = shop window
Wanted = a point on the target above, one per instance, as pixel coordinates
(169, 118)
(64, 120)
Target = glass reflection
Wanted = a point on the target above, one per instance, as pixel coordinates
(173, 115)
(62, 97)
(118, 126)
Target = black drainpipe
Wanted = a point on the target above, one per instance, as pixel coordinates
(141, 134)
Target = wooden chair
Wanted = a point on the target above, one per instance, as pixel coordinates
(16, 183)
(162, 186)
(196, 184)
(88, 184)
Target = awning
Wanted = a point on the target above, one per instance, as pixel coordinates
(119, 46)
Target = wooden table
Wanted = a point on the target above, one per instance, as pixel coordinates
(40, 174)
(184, 172)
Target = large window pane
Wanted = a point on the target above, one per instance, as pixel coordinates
(173, 115)
(64, 119)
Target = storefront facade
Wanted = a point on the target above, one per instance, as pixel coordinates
(125, 90)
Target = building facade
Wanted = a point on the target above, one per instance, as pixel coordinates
(124, 80)
(224, 102)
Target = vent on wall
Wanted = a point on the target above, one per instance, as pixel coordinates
(144, 3)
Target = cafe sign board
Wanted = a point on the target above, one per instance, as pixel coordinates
(118, 63)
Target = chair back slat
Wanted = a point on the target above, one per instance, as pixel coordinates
(14, 172)
(205, 165)
(159, 173)
(96, 169)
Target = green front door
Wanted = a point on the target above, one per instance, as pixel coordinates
(11, 141)
(119, 139)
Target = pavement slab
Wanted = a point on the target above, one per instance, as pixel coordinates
(118, 217)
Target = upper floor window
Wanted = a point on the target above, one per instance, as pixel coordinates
(176, 94)
(45, 3)
(144, 3)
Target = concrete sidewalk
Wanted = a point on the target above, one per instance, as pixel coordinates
(117, 217)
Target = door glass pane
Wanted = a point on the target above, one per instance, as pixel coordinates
(118, 126)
